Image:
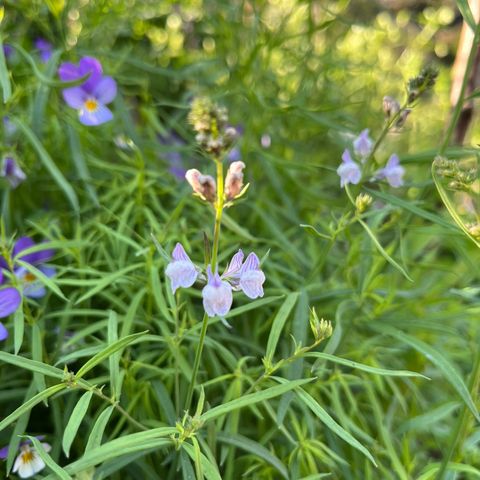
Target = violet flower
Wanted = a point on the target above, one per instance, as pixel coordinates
(247, 276)
(349, 171)
(7, 51)
(393, 172)
(181, 270)
(217, 295)
(172, 141)
(91, 97)
(10, 300)
(11, 171)
(363, 145)
(45, 49)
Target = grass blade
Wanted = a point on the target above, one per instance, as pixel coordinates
(75, 420)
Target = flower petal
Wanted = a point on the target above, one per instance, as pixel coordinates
(105, 90)
(3, 336)
(179, 253)
(68, 72)
(182, 273)
(234, 266)
(251, 283)
(217, 300)
(101, 115)
(10, 300)
(92, 66)
(74, 97)
(22, 244)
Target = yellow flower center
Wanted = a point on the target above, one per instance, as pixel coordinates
(29, 277)
(27, 456)
(91, 104)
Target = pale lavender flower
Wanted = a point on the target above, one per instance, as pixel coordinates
(9, 128)
(363, 145)
(217, 295)
(251, 277)
(266, 140)
(393, 172)
(234, 180)
(45, 49)
(348, 171)
(181, 270)
(90, 98)
(11, 171)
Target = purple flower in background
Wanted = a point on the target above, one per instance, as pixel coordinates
(234, 155)
(266, 140)
(247, 276)
(9, 128)
(10, 300)
(217, 295)
(11, 171)
(393, 172)
(172, 141)
(348, 171)
(181, 270)
(45, 49)
(91, 97)
(363, 145)
(7, 51)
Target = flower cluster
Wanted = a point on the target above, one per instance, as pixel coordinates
(28, 462)
(91, 97)
(44, 48)
(459, 178)
(217, 293)
(210, 121)
(350, 171)
(26, 284)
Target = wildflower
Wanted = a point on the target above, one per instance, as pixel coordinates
(31, 286)
(363, 144)
(28, 463)
(11, 171)
(393, 172)
(348, 171)
(172, 141)
(234, 180)
(9, 128)
(402, 118)
(247, 276)
(45, 48)
(266, 140)
(91, 97)
(390, 106)
(10, 300)
(362, 202)
(217, 295)
(181, 270)
(202, 185)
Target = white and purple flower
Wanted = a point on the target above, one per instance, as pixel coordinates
(181, 270)
(90, 98)
(363, 145)
(217, 293)
(392, 172)
(28, 463)
(349, 170)
(11, 171)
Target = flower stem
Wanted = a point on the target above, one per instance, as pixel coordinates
(216, 237)
(196, 363)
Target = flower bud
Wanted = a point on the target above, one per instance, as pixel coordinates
(234, 180)
(390, 106)
(202, 185)
(402, 118)
(321, 329)
(474, 230)
(362, 202)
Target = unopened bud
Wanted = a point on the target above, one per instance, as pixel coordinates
(362, 202)
(390, 106)
(474, 229)
(203, 185)
(234, 180)
(321, 329)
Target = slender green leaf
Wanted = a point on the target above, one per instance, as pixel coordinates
(27, 406)
(19, 328)
(4, 75)
(95, 438)
(37, 354)
(105, 353)
(31, 365)
(279, 323)
(467, 14)
(49, 462)
(208, 468)
(253, 398)
(74, 421)
(114, 359)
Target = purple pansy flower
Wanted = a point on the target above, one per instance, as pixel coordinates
(91, 97)
(10, 297)
(348, 171)
(45, 49)
(11, 171)
(363, 145)
(217, 295)
(181, 270)
(393, 172)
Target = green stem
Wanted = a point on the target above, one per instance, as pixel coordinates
(461, 97)
(196, 363)
(462, 419)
